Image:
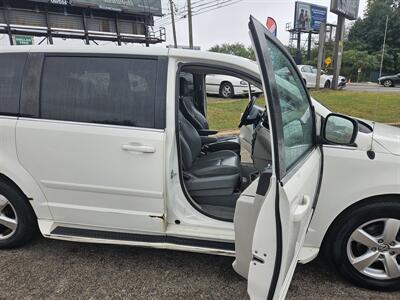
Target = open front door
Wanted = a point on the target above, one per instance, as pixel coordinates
(286, 195)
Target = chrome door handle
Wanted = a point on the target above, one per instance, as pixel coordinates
(138, 148)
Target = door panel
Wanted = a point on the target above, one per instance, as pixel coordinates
(286, 208)
(95, 140)
(295, 200)
(89, 178)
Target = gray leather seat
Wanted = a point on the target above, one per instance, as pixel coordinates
(210, 177)
(200, 123)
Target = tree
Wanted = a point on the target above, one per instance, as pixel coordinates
(354, 59)
(237, 49)
(367, 34)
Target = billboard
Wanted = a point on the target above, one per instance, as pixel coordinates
(46, 18)
(308, 17)
(128, 6)
(346, 8)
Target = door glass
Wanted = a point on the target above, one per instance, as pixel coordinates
(117, 91)
(295, 108)
(12, 68)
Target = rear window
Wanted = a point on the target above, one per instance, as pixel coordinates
(104, 90)
(11, 71)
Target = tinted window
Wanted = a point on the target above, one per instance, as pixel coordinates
(298, 129)
(12, 67)
(118, 91)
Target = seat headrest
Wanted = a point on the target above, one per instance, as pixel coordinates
(184, 87)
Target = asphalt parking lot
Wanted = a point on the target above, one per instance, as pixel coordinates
(49, 269)
(371, 87)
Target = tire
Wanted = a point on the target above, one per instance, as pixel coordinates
(17, 213)
(226, 90)
(342, 246)
(387, 83)
(327, 84)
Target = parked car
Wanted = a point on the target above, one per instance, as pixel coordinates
(309, 74)
(389, 81)
(228, 86)
(108, 145)
(310, 78)
(342, 81)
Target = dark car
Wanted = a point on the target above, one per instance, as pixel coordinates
(389, 81)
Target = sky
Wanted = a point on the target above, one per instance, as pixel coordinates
(229, 24)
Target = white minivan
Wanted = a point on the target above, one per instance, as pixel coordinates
(109, 145)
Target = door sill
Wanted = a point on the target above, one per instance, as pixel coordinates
(144, 240)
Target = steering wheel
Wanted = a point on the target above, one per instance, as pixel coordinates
(247, 111)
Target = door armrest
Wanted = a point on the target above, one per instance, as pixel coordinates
(207, 140)
(207, 132)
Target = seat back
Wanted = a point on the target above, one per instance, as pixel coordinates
(190, 142)
(192, 114)
(187, 107)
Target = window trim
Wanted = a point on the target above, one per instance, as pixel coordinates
(31, 87)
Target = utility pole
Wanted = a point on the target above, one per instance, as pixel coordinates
(298, 51)
(171, 5)
(189, 4)
(338, 53)
(384, 45)
(309, 46)
(322, 38)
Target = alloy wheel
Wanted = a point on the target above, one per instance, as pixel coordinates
(226, 91)
(387, 83)
(373, 249)
(8, 219)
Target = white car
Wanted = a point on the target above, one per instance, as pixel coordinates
(228, 86)
(309, 74)
(342, 81)
(105, 145)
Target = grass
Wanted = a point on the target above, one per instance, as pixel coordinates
(380, 107)
(383, 107)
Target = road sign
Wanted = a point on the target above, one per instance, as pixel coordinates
(23, 40)
(271, 26)
(347, 8)
(328, 61)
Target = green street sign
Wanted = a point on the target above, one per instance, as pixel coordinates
(22, 40)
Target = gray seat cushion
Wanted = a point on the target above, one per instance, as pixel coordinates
(206, 174)
(224, 162)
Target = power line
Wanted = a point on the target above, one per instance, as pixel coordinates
(218, 6)
(183, 10)
(214, 7)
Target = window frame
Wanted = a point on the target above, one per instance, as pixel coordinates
(261, 39)
(32, 85)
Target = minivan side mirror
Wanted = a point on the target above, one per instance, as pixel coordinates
(340, 130)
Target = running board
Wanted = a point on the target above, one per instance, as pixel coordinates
(142, 238)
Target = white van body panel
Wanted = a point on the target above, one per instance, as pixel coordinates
(359, 178)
